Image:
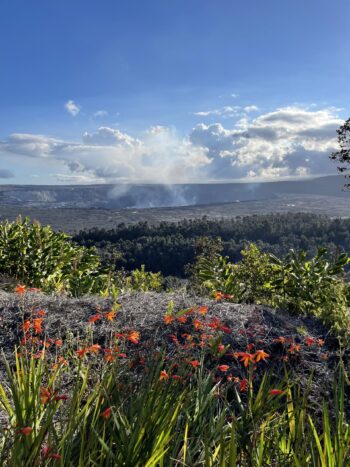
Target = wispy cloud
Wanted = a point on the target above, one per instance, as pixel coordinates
(227, 110)
(100, 113)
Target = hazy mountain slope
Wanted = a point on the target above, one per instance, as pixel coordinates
(143, 196)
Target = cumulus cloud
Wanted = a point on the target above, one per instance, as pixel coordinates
(111, 155)
(288, 142)
(72, 108)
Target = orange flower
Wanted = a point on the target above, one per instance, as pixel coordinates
(110, 315)
(37, 325)
(41, 313)
(309, 341)
(187, 336)
(203, 310)
(94, 318)
(163, 375)
(214, 323)
(276, 392)
(182, 319)
(133, 337)
(195, 363)
(119, 335)
(197, 324)
(26, 431)
(168, 319)
(221, 348)
(82, 352)
(106, 413)
(45, 395)
(95, 348)
(250, 346)
(294, 348)
(26, 325)
(218, 295)
(58, 342)
(261, 355)
(243, 385)
(108, 356)
(320, 342)
(20, 289)
(223, 368)
(246, 358)
(280, 340)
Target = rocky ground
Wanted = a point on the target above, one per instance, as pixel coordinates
(145, 311)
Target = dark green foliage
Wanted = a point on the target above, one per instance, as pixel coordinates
(298, 283)
(342, 156)
(170, 246)
(40, 257)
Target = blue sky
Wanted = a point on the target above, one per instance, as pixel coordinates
(108, 90)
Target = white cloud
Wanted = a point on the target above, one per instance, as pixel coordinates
(251, 108)
(227, 111)
(110, 155)
(100, 113)
(72, 108)
(287, 142)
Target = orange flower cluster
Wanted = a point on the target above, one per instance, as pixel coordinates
(47, 395)
(35, 324)
(222, 296)
(247, 358)
(109, 316)
(131, 336)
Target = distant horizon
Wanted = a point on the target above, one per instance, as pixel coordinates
(208, 182)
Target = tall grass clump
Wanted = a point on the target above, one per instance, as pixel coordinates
(122, 420)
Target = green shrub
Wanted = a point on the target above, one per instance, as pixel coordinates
(246, 279)
(301, 285)
(40, 257)
(139, 280)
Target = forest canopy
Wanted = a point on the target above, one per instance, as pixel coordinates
(169, 246)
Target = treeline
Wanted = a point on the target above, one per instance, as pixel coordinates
(169, 246)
